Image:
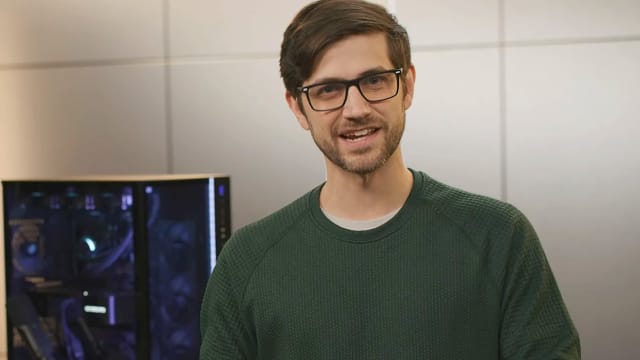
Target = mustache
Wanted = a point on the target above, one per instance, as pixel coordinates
(360, 122)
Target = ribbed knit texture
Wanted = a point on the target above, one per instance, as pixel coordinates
(451, 276)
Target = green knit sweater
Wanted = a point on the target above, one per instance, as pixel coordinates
(451, 276)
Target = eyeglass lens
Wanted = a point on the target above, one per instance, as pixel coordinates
(376, 87)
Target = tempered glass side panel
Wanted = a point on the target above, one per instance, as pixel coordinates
(178, 230)
(69, 249)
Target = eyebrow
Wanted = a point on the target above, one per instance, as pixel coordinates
(328, 80)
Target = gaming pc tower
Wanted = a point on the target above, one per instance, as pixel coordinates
(110, 268)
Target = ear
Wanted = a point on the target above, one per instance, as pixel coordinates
(410, 81)
(294, 105)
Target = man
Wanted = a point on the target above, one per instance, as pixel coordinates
(380, 261)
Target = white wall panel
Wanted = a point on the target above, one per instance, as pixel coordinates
(63, 30)
(232, 118)
(434, 22)
(453, 127)
(92, 120)
(553, 19)
(202, 27)
(573, 166)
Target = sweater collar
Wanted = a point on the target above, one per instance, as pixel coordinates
(393, 225)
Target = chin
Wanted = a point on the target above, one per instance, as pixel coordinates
(363, 167)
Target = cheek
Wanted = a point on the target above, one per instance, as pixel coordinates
(323, 122)
(394, 111)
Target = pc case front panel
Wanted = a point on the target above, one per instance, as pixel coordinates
(186, 226)
(178, 248)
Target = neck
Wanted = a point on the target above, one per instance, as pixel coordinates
(366, 196)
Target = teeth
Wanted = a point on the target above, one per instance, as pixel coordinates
(358, 134)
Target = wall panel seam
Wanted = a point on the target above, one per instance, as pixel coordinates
(169, 60)
(168, 98)
(502, 94)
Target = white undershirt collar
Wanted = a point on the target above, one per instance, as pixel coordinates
(360, 225)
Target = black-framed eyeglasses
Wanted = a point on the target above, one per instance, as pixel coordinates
(332, 95)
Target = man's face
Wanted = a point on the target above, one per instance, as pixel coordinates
(361, 136)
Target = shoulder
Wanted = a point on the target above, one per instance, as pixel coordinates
(472, 212)
(498, 231)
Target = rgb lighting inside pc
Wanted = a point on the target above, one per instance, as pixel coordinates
(110, 269)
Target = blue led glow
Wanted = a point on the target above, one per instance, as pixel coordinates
(32, 249)
(90, 243)
(221, 190)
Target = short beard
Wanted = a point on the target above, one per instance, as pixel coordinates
(392, 141)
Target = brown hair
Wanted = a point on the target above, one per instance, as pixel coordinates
(324, 22)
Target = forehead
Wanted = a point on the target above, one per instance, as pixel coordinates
(352, 56)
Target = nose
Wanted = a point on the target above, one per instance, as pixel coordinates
(356, 105)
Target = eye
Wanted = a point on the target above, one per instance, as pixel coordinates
(375, 81)
(327, 90)
(371, 80)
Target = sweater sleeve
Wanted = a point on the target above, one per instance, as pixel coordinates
(221, 326)
(535, 323)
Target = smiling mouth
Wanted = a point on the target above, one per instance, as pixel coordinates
(358, 135)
